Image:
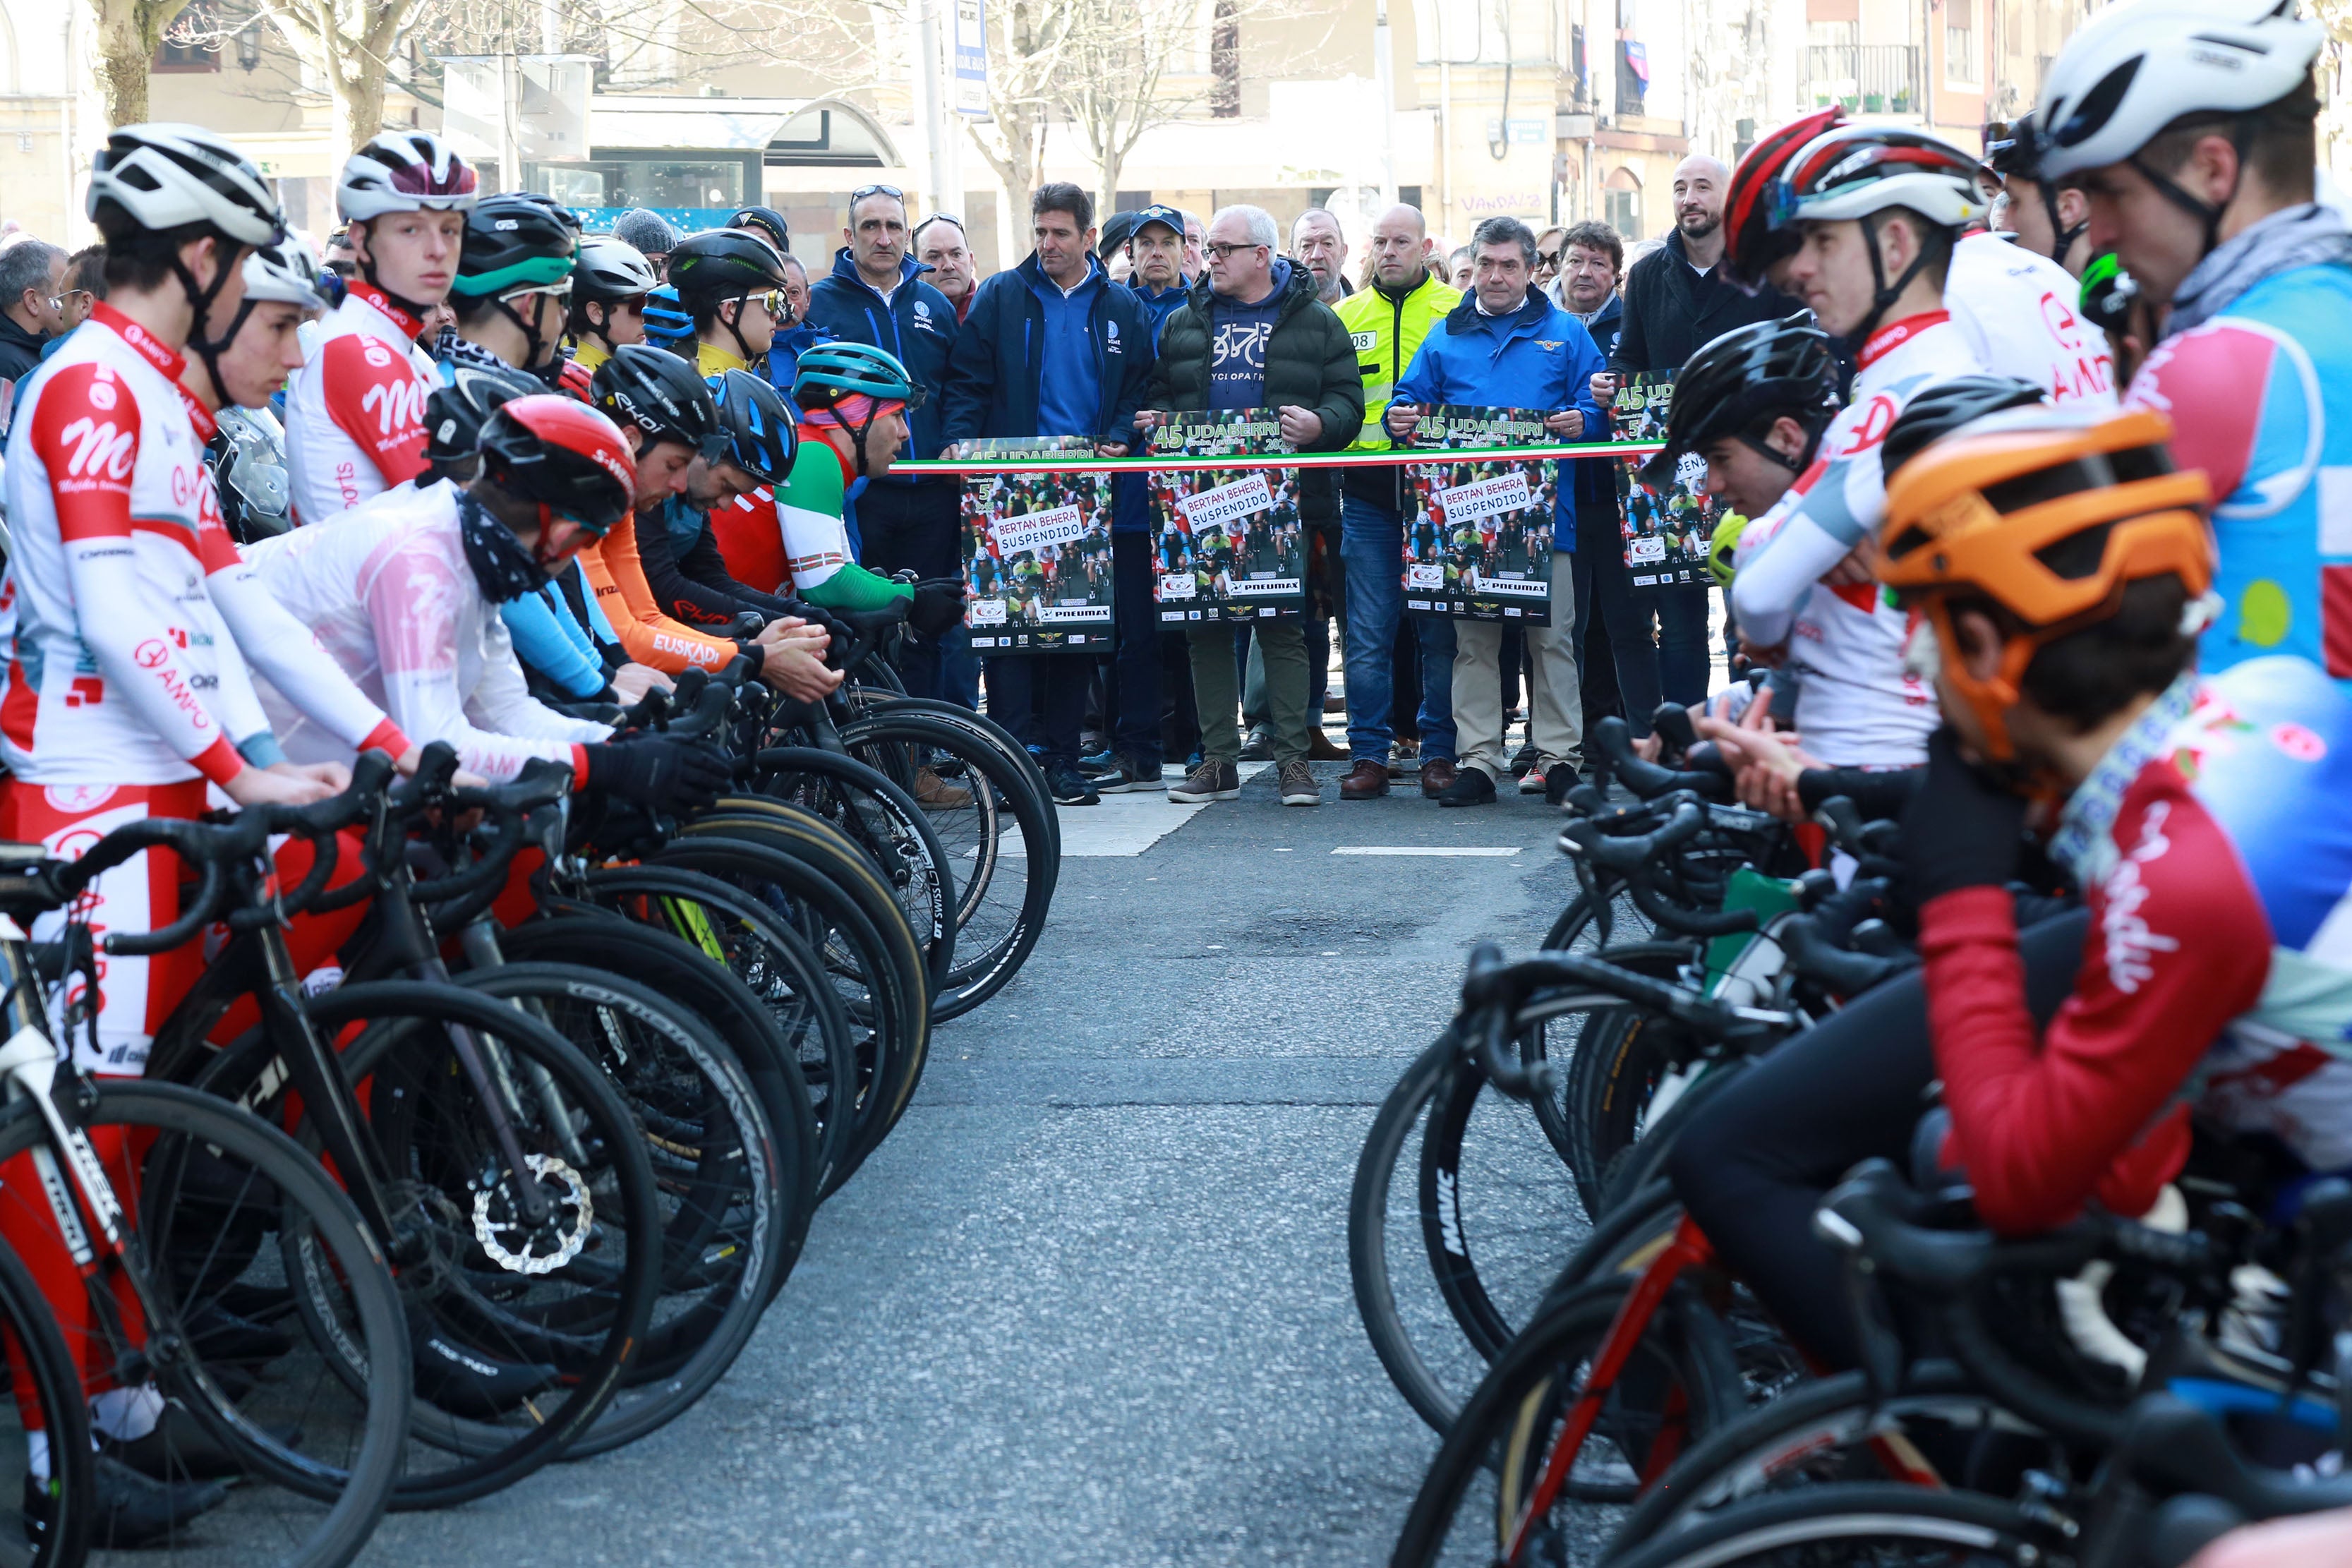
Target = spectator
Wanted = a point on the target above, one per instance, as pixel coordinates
(1155, 245)
(1550, 246)
(1677, 299)
(85, 286)
(940, 244)
(1317, 244)
(1254, 336)
(794, 336)
(1055, 348)
(875, 295)
(1196, 248)
(1115, 230)
(1387, 321)
(1510, 347)
(1457, 269)
(1158, 246)
(32, 277)
(767, 224)
(344, 262)
(651, 234)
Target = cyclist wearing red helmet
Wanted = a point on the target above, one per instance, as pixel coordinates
(355, 413)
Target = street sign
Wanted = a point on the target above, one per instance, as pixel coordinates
(970, 59)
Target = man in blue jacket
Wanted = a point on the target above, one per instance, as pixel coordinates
(875, 295)
(1508, 346)
(1055, 348)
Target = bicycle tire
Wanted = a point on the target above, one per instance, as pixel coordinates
(1644, 1164)
(1375, 1285)
(1565, 1116)
(42, 1374)
(1842, 1523)
(994, 735)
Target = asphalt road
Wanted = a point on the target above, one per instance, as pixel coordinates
(1090, 1304)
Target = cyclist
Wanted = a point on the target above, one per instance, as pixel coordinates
(2049, 217)
(1874, 212)
(732, 282)
(2194, 138)
(671, 420)
(610, 281)
(401, 593)
(514, 283)
(2015, 308)
(355, 412)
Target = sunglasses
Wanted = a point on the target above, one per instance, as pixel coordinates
(862, 192)
(561, 292)
(1547, 257)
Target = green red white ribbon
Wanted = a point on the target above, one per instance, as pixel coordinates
(1397, 458)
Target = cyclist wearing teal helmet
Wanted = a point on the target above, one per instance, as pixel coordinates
(513, 288)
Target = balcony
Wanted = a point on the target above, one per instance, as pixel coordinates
(1868, 78)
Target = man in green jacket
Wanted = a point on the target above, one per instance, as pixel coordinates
(1254, 336)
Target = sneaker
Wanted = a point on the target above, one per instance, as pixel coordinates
(131, 1511)
(1405, 757)
(1532, 781)
(934, 791)
(1298, 786)
(1096, 762)
(1258, 745)
(1471, 786)
(1523, 759)
(1070, 787)
(1212, 780)
(1131, 777)
(1321, 748)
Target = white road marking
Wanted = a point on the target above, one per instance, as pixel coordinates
(1452, 850)
(1126, 825)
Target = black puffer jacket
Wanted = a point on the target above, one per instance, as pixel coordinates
(1310, 363)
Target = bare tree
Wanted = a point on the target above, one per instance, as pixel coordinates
(128, 34)
(1030, 46)
(1120, 54)
(349, 44)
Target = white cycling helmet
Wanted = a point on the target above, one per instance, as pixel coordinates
(286, 273)
(605, 270)
(404, 172)
(165, 176)
(1855, 171)
(2136, 68)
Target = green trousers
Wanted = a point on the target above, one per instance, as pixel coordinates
(1216, 690)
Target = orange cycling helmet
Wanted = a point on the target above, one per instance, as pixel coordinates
(1977, 514)
(1751, 244)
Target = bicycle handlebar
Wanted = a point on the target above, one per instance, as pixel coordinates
(1615, 742)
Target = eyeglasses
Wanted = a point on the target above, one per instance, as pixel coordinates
(1222, 251)
(59, 301)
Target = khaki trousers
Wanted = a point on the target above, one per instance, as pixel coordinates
(1555, 702)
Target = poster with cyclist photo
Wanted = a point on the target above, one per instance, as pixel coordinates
(1478, 544)
(1228, 542)
(1036, 552)
(1667, 531)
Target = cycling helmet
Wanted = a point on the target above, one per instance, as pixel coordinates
(1858, 172)
(165, 176)
(2108, 293)
(761, 438)
(404, 172)
(831, 371)
(665, 323)
(1752, 245)
(563, 455)
(285, 273)
(1723, 544)
(766, 222)
(2011, 148)
(1744, 379)
(660, 393)
(2130, 72)
(515, 240)
(247, 458)
(1944, 408)
(724, 264)
(454, 412)
(1982, 515)
(608, 270)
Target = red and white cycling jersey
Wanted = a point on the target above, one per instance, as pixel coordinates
(355, 411)
(2015, 308)
(111, 510)
(1856, 706)
(387, 592)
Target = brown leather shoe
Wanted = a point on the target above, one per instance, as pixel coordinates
(1437, 776)
(1321, 748)
(1368, 780)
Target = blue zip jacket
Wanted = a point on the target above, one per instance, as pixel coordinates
(782, 359)
(1000, 361)
(1162, 305)
(918, 325)
(1539, 357)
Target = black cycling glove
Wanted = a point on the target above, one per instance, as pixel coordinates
(662, 772)
(938, 605)
(1961, 829)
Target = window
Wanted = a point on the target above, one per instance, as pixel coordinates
(192, 43)
(1620, 204)
(1960, 41)
(1633, 74)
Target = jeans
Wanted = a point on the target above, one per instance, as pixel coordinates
(1042, 698)
(1371, 544)
(1216, 689)
(1656, 636)
(1132, 691)
(915, 526)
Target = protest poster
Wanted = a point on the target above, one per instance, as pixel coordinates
(1229, 544)
(1478, 544)
(1036, 551)
(1667, 531)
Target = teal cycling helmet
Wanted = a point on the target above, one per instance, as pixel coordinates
(830, 375)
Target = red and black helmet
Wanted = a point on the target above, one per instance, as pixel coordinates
(1751, 247)
(563, 454)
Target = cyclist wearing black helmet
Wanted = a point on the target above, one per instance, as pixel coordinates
(610, 281)
(2050, 217)
(514, 281)
(1751, 406)
(732, 282)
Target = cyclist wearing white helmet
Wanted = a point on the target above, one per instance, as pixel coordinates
(355, 413)
(2193, 136)
(1874, 212)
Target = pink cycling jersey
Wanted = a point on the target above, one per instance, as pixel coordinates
(387, 592)
(355, 411)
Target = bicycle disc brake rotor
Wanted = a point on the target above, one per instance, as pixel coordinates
(516, 1244)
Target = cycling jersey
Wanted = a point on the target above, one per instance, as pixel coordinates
(2261, 399)
(751, 541)
(816, 542)
(710, 360)
(355, 412)
(650, 638)
(1858, 707)
(2211, 844)
(120, 670)
(589, 354)
(688, 573)
(553, 646)
(2016, 308)
(389, 594)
